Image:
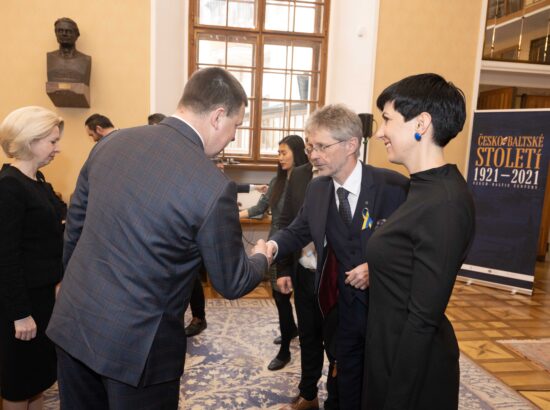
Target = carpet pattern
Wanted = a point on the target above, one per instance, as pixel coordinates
(537, 350)
(226, 366)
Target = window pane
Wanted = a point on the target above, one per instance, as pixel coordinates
(211, 52)
(305, 19)
(298, 115)
(302, 58)
(241, 145)
(269, 144)
(294, 16)
(275, 56)
(278, 15)
(274, 85)
(273, 114)
(245, 77)
(212, 12)
(240, 54)
(301, 85)
(242, 13)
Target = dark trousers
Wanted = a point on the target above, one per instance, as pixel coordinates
(83, 389)
(197, 301)
(350, 352)
(286, 321)
(310, 332)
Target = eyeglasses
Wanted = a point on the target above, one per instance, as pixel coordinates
(320, 148)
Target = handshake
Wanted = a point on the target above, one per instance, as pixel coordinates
(269, 249)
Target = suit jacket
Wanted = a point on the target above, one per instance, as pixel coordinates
(243, 188)
(384, 190)
(149, 207)
(31, 240)
(294, 199)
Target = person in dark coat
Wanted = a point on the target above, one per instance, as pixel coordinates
(31, 242)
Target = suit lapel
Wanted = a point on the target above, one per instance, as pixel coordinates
(366, 203)
(319, 214)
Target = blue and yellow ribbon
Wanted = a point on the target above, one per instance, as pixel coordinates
(367, 220)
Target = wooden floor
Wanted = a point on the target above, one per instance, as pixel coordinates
(481, 316)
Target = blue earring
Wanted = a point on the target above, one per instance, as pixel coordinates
(417, 136)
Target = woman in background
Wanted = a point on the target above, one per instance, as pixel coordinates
(291, 154)
(412, 354)
(31, 244)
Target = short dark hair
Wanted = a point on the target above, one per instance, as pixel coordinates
(96, 120)
(155, 118)
(429, 93)
(70, 21)
(213, 87)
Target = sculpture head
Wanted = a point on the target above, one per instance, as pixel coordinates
(66, 32)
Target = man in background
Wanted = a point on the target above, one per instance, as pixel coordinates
(98, 126)
(155, 118)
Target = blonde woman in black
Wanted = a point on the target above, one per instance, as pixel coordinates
(31, 242)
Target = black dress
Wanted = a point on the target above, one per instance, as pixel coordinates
(31, 238)
(412, 354)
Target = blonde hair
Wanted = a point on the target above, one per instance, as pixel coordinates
(342, 123)
(25, 125)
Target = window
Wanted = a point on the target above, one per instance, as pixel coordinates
(277, 50)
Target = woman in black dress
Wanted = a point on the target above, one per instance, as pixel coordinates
(31, 235)
(412, 354)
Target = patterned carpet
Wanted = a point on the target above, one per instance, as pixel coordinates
(226, 366)
(538, 350)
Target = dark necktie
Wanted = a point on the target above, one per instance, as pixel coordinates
(344, 210)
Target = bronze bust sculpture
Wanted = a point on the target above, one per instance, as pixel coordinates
(68, 69)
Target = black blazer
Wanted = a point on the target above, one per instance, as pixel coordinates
(294, 199)
(385, 190)
(31, 235)
(149, 208)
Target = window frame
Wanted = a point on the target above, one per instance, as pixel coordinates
(255, 160)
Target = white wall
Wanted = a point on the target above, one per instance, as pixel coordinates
(169, 51)
(352, 51)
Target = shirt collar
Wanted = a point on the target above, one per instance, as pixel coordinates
(190, 126)
(353, 183)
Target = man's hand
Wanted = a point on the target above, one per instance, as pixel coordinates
(358, 277)
(25, 329)
(262, 189)
(272, 249)
(261, 247)
(284, 283)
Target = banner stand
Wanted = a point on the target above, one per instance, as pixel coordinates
(507, 172)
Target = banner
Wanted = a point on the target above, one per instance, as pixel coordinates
(507, 174)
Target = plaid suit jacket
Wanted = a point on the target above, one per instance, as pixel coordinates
(149, 206)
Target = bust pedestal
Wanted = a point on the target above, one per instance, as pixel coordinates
(75, 95)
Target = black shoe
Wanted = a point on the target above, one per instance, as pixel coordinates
(278, 364)
(279, 339)
(195, 327)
